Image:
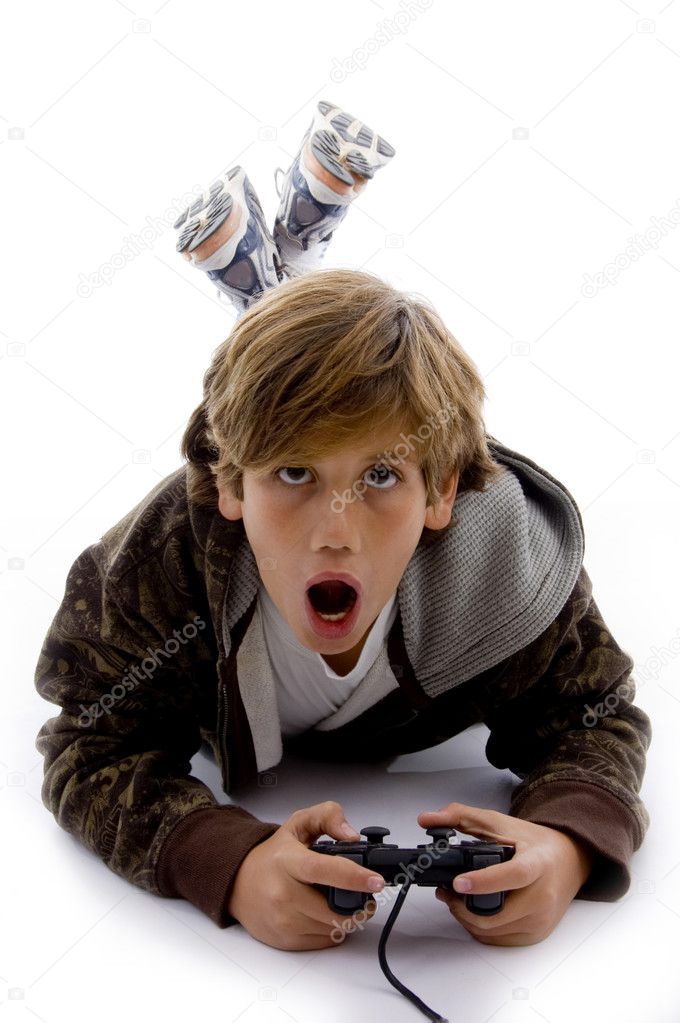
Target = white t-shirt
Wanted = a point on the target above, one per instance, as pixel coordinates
(307, 689)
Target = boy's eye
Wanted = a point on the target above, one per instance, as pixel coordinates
(377, 474)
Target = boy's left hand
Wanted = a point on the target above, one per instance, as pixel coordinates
(545, 873)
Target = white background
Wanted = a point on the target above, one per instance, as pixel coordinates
(534, 140)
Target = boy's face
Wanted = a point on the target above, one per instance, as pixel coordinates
(338, 515)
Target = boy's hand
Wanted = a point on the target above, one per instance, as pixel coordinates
(545, 873)
(272, 895)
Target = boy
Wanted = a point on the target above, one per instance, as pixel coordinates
(303, 584)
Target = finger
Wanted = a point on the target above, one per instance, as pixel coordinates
(336, 871)
(516, 928)
(320, 919)
(321, 819)
(516, 934)
(511, 910)
(308, 941)
(518, 925)
(344, 925)
(473, 820)
(314, 906)
(354, 922)
(522, 938)
(514, 910)
(519, 872)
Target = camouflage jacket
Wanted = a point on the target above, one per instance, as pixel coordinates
(157, 647)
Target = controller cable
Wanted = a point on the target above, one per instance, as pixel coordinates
(419, 1004)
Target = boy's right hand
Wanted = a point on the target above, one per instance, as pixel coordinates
(272, 895)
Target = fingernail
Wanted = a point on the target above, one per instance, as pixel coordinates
(348, 830)
(462, 884)
(375, 883)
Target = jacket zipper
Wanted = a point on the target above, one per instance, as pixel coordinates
(222, 733)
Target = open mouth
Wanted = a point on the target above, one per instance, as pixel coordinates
(332, 600)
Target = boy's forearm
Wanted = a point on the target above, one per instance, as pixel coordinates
(586, 853)
(586, 856)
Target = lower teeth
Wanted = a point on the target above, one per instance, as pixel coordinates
(332, 618)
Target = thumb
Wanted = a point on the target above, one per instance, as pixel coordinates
(473, 820)
(321, 819)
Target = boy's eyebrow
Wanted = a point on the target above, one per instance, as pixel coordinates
(389, 458)
(386, 454)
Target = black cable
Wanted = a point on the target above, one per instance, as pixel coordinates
(419, 1004)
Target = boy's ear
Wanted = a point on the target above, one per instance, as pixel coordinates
(229, 506)
(438, 515)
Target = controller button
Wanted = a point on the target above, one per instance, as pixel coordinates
(489, 903)
(375, 834)
(480, 860)
(439, 833)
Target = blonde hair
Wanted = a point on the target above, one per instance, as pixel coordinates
(317, 361)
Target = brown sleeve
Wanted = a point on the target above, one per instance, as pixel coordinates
(603, 822)
(202, 854)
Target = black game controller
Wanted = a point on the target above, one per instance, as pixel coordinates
(433, 865)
